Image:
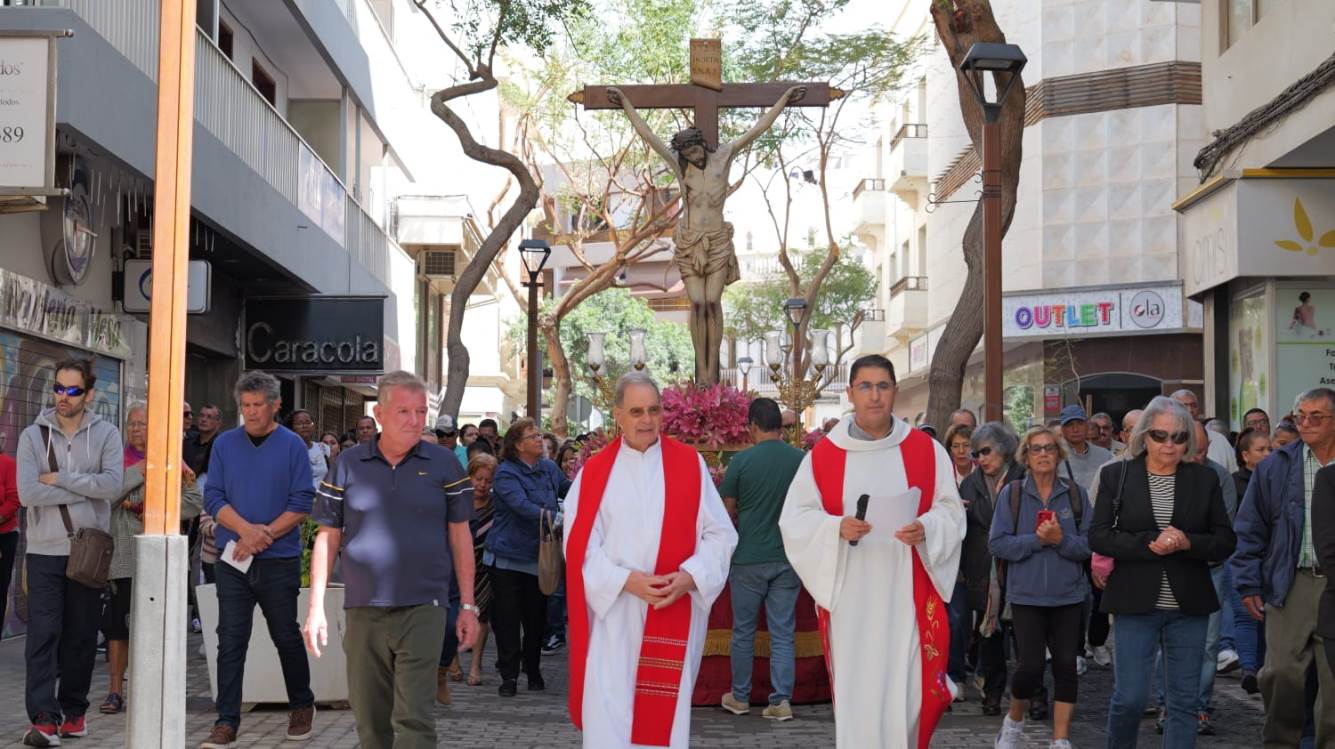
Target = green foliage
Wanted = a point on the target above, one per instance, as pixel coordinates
(481, 25)
(752, 309)
(616, 312)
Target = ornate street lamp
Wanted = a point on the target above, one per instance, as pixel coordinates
(534, 254)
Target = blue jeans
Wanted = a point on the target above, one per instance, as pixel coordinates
(1223, 587)
(1136, 636)
(273, 584)
(1248, 634)
(960, 616)
(775, 585)
(1210, 661)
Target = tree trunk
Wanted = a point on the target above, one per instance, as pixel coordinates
(960, 24)
(561, 379)
(468, 280)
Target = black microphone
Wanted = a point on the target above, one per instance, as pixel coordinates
(861, 514)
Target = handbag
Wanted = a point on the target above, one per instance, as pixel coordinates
(551, 563)
(90, 548)
(1102, 566)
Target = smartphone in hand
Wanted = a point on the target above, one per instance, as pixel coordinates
(1043, 517)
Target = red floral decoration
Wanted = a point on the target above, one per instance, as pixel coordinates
(708, 417)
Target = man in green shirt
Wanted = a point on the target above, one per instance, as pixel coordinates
(753, 490)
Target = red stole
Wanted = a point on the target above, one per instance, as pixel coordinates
(919, 454)
(666, 631)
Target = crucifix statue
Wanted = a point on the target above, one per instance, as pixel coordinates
(704, 250)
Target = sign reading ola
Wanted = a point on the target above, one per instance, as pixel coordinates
(328, 334)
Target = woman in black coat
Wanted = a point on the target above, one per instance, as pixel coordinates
(1163, 520)
(993, 447)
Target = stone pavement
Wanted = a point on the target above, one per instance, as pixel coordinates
(478, 718)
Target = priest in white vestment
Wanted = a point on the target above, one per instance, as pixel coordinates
(883, 618)
(647, 545)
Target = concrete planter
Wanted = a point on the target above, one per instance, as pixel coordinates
(263, 681)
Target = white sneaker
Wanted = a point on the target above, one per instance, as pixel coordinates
(1101, 656)
(1059, 744)
(1080, 665)
(1011, 734)
(1228, 661)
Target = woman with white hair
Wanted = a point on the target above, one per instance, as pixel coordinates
(1163, 521)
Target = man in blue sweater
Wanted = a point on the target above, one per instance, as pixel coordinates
(259, 490)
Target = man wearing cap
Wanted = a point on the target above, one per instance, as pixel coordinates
(447, 436)
(1083, 458)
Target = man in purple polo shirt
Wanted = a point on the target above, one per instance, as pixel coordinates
(398, 509)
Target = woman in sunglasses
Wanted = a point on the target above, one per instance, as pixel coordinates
(992, 446)
(1039, 531)
(1163, 521)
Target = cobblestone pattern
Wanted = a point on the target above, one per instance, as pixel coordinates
(538, 720)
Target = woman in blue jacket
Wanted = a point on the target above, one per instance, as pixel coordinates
(526, 486)
(1041, 537)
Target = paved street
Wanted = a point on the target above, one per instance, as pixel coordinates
(480, 718)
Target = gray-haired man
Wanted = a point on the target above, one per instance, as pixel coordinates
(259, 491)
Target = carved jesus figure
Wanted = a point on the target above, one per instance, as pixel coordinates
(704, 250)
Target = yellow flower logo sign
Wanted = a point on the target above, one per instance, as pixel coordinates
(1304, 226)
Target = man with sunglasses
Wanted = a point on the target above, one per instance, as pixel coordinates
(63, 615)
(1278, 574)
(890, 489)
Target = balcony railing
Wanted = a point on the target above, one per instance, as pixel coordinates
(908, 283)
(229, 107)
(874, 184)
(908, 130)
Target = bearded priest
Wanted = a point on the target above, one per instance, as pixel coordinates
(881, 584)
(647, 552)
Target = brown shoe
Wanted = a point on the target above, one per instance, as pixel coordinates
(443, 685)
(221, 737)
(299, 723)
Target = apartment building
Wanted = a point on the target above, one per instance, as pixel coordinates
(1258, 225)
(1094, 310)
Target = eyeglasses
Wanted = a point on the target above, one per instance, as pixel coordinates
(69, 391)
(981, 452)
(536, 437)
(880, 387)
(188, 415)
(1315, 419)
(1162, 437)
(1041, 449)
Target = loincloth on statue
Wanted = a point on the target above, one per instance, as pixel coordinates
(701, 254)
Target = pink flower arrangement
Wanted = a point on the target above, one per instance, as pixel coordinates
(708, 417)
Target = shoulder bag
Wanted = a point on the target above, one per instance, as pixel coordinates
(551, 565)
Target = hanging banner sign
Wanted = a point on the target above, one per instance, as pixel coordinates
(28, 112)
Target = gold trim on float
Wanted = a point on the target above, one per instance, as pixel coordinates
(805, 644)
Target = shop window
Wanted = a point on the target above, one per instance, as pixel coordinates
(264, 83)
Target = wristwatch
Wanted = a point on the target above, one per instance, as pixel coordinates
(470, 607)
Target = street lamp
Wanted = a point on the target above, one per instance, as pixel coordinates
(1004, 62)
(744, 366)
(534, 254)
(794, 308)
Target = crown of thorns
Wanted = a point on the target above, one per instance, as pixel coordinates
(691, 136)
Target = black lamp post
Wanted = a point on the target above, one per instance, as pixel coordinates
(744, 366)
(1004, 62)
(534, 254)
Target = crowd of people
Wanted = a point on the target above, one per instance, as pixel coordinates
(1196, 551)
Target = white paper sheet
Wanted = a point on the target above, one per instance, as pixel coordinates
(887, 514)
(229, 555)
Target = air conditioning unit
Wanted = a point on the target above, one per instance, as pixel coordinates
(437, 263)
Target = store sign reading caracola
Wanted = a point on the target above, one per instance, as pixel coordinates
(328, 334)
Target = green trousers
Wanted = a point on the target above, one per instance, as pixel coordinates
(392, 657)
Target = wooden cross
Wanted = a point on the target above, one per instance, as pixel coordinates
(706, 94)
